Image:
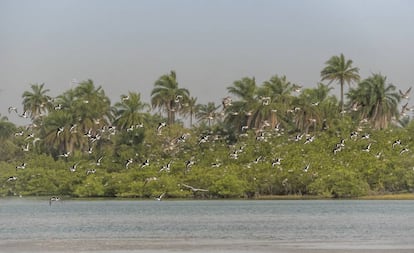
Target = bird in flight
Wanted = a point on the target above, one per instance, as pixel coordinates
(90, 171)
(194, 189)
(21, 166)
(73, 167)
(98, 162)
(404, 150)
(12, 109)
(53, 199)
(25, 148)
(405, 94)
(159, 198)
(306, 168)
(145, 163)
(368, 148)
(12, 178)
(129, 161)
(160, 127)
(66, 155)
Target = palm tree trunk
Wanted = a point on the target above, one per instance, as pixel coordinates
(342, 96)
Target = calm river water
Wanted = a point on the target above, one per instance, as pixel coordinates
(28, 225)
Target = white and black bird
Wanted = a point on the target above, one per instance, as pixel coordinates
(66, 155)
(90, 171)
(12, 109)
(306, 168)
(21, 166)
(59, 131)
(129, 162)
(297, 88)
(276, 161)
(145, 163)
(226, 102)
(166, 167)
(125, 98)
(404, 150)
(194, 189)
(24, 115)
(53, 199)
(405, 108)
(58, 107)
(73, 167)
(188, 164)
(29, 136)
(25, 148)
(365, 136)
(19, 133)
(73, 129)
(150, 179)
(309, 139)
(367, 148)
(216, 165)
(11, 179)
(161, 125)
(396, 142)
(405, 95)
(159, 198)
(98, 162)
(258, 159)
(90, 150)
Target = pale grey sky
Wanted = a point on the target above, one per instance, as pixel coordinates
(126, 45)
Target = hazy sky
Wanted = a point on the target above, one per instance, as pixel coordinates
(126, 45)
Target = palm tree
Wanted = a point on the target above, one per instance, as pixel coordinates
(56, 135)
(377, 99)
(92, 105)
(190, 108)
(6, 128)
(279, 90)
(341, 70)
(36, 102)
(86, 107)
(167, 95)
(243, 110)
(312, 103)
(128, 112)
(207, 112)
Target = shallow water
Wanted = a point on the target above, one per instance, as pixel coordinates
(206, 226)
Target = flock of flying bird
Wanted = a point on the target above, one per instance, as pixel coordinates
(234, 154)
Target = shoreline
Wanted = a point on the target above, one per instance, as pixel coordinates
(390, 196)
(200, 246)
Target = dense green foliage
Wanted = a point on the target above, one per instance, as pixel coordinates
(270, 139)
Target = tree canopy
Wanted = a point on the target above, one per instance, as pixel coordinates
(273, 138)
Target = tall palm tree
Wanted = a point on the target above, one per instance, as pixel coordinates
(128, 112)
(190, 108)
(207, 112)
(167, 95)
(56, 135)
(341, 70)
(36, 102)
(92, 105)
(312, 103)
(377, 99)
(279, 89)
(243, 110)
(86, 107)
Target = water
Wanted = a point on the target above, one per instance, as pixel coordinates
(221, 226)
